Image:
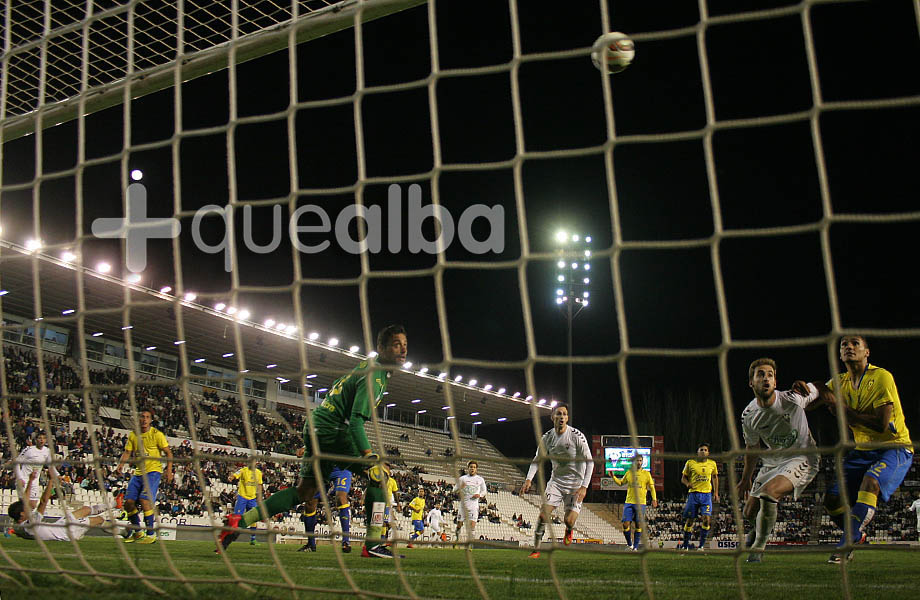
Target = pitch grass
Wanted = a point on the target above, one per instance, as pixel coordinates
(445, 573)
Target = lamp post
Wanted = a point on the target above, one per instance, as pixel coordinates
(573, 276)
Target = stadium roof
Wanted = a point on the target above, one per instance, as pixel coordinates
(111, 304)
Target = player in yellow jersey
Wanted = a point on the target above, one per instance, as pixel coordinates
(418, 514)
(142, 489)
(873, 413)
(639, 483)
(392, 506)
(248, 491)
(701, 476)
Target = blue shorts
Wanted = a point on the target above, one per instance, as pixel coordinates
(631, 512)
(341, 481)
(888, 466)
(418, 525)
(244, 504)
(698, 504)
(136, 490)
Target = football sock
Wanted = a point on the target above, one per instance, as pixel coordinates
(628, 535)
(704, 531)
(374, 505)
(766, 518)
(538, 534)
(309, 524)
(638, 537)
(862, 513)
(688, 533)
(276, 503)
(134, 518)
(148, 521)
(345, 520)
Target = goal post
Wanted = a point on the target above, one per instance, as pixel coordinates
(22, 110)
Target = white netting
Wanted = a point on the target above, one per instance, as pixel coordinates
(63, 60)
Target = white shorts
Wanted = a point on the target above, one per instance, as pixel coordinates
(557, 494)
(800, 470)
(33, 494)
(435, 528)
(469, 510)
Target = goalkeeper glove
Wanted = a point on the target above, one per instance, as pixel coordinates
(375, 471)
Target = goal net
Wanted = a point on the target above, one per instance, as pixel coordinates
(210, 209)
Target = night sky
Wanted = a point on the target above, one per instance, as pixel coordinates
(775, 285)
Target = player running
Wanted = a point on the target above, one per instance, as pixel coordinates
(573, 466)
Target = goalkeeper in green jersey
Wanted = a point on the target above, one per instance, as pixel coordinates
(339, 426)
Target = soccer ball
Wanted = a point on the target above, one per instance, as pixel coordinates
(613, 52)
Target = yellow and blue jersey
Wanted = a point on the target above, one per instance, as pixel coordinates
(418, 508)
(874, 389)
(699, 473)
(637, 487)
(249, 481)
(153, 445)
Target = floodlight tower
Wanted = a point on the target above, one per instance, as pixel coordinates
(573, 276)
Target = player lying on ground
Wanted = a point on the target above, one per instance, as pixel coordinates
(72, 526)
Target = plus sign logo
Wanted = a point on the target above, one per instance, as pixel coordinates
(136, 228)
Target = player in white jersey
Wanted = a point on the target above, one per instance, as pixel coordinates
(471, 487)
(776, 419)
(433, 521)
(915, 506)
(31, 460)
(72, 526)
(573, 466)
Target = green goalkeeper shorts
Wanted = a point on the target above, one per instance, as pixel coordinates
(330, 442)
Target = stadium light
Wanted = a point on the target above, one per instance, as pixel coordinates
(269, 323)
(502, 419)
(231, 310)
(166, 289)
(516, 395)
(541, 402)
(218, 306)
(561, 236)
(226, 355)
(178, 342)
(126, 327)
(244, 371)
(97, 334)
(199, 360)
(313, 335)
(423, 411)
(290, 329)
(68, 256)
(333, 341)
(445, 408)
(574, 237)
(311, 376)
(271, 366)
(501, 390)
(423, 370)
(487, 387)
(477, 422)
(244, 314)
(553, 404)
(280, 326)
(33, 245)
(373, 354)
(474, 381)
(190, 296)
(528, 398)
(451, 417)
(406, 365)
(137, 174)
(442, 375)
(458, 378)
(322, 390)
(588, 239)
(69, 311)
(416, 401)
(103, 267)
(473, 414)
(150, 348)
(354, 349)
(391, 405)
